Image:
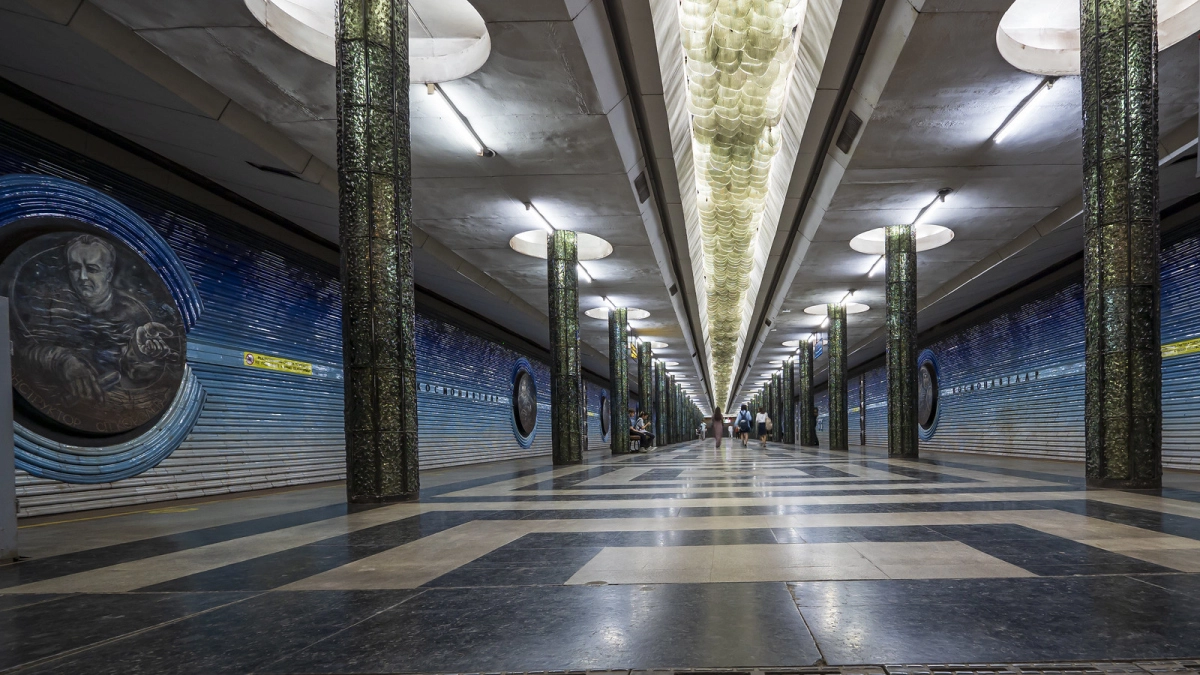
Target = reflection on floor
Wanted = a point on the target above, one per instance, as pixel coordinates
(688, 557)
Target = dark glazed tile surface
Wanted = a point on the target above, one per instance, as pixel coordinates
(48, 568)
(239, 638)
(37, 631)
(8, 602)
(548, 628)
(998, 620)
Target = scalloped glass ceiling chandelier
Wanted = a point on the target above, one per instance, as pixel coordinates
(740, 55)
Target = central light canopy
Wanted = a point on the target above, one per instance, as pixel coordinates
(739, 59)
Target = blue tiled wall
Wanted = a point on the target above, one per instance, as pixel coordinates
(1012, 384)
(260, 429)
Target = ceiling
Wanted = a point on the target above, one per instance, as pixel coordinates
(572, 101)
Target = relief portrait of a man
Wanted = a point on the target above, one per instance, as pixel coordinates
(98, 343)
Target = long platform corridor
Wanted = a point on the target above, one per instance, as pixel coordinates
(689, 557)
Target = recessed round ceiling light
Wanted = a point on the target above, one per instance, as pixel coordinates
(1042, 36)
(823, 310)
(928, 237)
(533, 244)
(631, 313)
(791, 343)
(459, 44)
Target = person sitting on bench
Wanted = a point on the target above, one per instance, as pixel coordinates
(635, 433)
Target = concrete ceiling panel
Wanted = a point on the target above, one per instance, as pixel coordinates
(35, 47)
(140, 15)
(257, 69)
(494, 11)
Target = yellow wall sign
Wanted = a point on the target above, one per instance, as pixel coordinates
(279, 365)
(1180, 348)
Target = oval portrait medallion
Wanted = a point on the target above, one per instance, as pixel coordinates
(525, 402)
(99, 346)
(927, 394)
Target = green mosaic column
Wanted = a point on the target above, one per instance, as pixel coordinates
(566, 404)
(646, 378)
(808, 421)
(668, 427)
(375, 233)
(660, 417)
(679, 418)
(838, 416)
(664, 403)
(901, 322)
(618, 379)
(789, 401)
(862, 409)
(1123, 371)
(675, 425)
(780, 408)
(775, 417)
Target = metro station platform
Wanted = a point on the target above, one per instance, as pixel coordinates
(684, 558)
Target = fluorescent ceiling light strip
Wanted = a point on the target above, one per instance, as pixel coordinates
(473, 138)
(938, 202)
(1019, 114)
(876, 267)
(542, 220)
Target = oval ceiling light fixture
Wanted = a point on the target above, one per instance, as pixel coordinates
(1042, 36)
(823, 310)
(670, 364)
(655, 344)
(533, 244)
(791, 343)
(875, 241)
(630, 314)
(447, 39)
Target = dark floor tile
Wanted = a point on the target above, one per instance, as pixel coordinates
(1188, 584)
(1049, 555)
(268, 572)
(41, 630)
(239, 638)
(820, 471)
(968, 534)
(569, 627)
(830, 535)
(998, 620)
(510, 555)
(1083, 569)
(645, 538)
(29, 571)
(478, 576)
(14, 601)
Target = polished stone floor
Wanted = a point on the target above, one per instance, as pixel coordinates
(688, 557)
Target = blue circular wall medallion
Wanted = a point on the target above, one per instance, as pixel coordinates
(78, 263)
(929, 408)
(524, 403)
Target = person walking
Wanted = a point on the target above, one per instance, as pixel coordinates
(743, 424)
(718, 423)
(763, 422)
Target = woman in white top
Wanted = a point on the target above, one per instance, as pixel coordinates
(760, 421)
